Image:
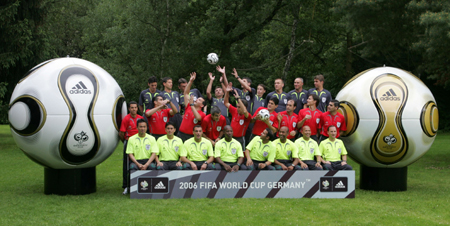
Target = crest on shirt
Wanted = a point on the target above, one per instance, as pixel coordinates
(219, 128)
(176, 148)
(165, 119)
(271, 123)
(233, 151)
(340, 150)
(204, 152)
(178, 100)
(241, 122)
(311, 150)
(262, 104)
(265, 154)
(147, 147)
(195, 121)
(294, 124)
(247, 98)
(324, 99)
(285, 101)
(338, 124)
(289, 153)
(317, 120)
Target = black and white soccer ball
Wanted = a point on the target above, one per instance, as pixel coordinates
(212, 58)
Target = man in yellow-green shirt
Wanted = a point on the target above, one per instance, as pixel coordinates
(286, 157)
(228, 152)
(170, 147)
(307, 150)
(334, 154)
(260, 152)
(142, 148)
(197, 152)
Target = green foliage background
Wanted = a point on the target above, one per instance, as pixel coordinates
(135, 39)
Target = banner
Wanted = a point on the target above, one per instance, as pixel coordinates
(175, 184)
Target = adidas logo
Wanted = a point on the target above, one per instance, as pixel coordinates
(160, 185)
(390, 96)
(80, 88)
(339, 185)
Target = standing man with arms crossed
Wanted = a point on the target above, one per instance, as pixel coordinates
(193, 114)
(311, 116)
(289, 119)
(279, 94)
(260, 152)
(170, 147)
(197, 152)
(307, 149)
(147, 95)
(128, 128)
(332, 118)
(228, 152)
(174, 97)
(299, 95)
(323, 94)
(286, 157)
(333, 152)
(142, 149)
(240, 117)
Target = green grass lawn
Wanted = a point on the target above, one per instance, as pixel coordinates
(23, 202)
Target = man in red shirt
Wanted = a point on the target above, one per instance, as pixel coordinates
(289, 119)
(159, 115)
(128, 128)
(240, 118)
(193, 114)
(332, 118)
(213, 125)
(311, 116)
(272, 122)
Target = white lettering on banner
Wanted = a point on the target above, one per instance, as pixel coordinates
(286, 185)
(240, 185)
(208, 185)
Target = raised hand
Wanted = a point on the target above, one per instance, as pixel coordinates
(211, 76)
(230, 87)
(193, 75)
(221, 70)
(235, 73)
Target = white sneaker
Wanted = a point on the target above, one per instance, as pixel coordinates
(125, 191)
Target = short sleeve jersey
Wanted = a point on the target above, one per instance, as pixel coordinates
(219, 103)
(239, 123)
(169, 149)
(307, 149)
(313, 122)
(197, 151)
(286, 150)
(299, 97)
(260, 126)
(212, 128)
(228, 151)
(289, 121)
(324, 98)
(257, 103)
(146, 99)
(157, 121)
(282, 100)
(129, 125)
(332, 151)
(189, 121)
(174, 97)
(194, 92)
(328, 120)
(260, 151)
(248, 96)
(142, 147)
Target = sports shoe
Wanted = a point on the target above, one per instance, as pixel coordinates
(125, 191)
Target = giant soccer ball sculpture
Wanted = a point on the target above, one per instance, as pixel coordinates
(392, 120)
(65, 114)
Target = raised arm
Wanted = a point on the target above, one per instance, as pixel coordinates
(187, 90)
(209, 88)
(243, 84)
(236, 95)
(224, 79)
(226, 98)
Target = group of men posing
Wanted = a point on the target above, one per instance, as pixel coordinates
(176, 134)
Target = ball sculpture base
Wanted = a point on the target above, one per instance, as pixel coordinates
(383, 179)
(70, 181)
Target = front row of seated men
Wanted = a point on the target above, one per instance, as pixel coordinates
(262, 153)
